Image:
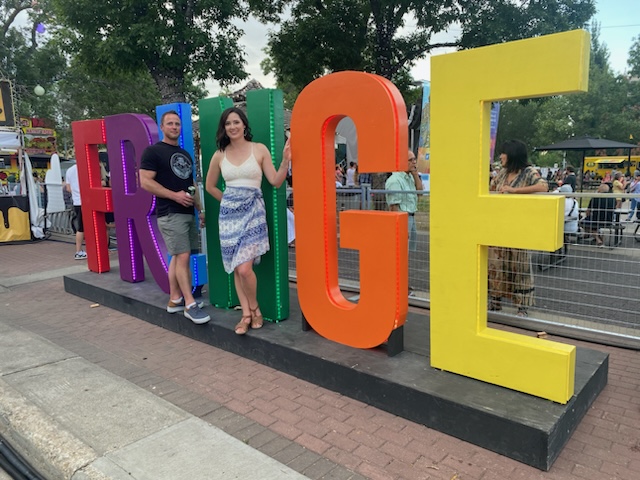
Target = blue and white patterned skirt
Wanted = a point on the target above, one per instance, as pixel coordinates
(243, 226)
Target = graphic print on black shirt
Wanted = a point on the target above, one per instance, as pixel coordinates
(174, 170)
(180, 165)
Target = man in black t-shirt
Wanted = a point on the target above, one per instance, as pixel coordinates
(166, 171)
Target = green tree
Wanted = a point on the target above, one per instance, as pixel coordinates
(289, 90)
(486, 22)
(81, 95)
(634, 58)
(607, 110)
(516, 119)
(632, 112)
(9, 11)
(85, 95)
(598, 112)
(180, 43)
(389, 36)
(72, 91)
(333, 35)
(28, 58)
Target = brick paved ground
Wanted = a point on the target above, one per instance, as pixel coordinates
(313, 430)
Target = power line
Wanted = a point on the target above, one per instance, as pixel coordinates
(620, 26)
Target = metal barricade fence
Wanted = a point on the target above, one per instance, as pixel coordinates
(60, 221)
(586, 292)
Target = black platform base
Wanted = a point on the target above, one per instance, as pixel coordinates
(525, 428)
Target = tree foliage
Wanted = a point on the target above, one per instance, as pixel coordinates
(72, 91)
(634, 58)
(634, 84)
(178, 42)
(486, 22)
(27, 58)
(609, 109)
(387, 37)
(319, 37)
(82, 95)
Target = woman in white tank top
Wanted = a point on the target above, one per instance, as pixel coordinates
(242, 221)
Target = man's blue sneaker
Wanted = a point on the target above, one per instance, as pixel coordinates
(175, 307)
(196, 315)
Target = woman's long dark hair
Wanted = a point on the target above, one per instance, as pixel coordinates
(516, 152)
(221, 135)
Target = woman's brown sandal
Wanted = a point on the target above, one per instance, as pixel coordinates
(243, 325)
(256, 320)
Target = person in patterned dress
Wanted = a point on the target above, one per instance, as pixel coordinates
(510, 272)
(242, 221)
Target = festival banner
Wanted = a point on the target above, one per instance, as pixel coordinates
(495, 117)
(424, 142)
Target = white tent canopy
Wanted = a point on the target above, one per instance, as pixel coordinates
(346, 133)
(9, 140)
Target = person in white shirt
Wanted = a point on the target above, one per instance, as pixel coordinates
(72, 184)
(571, 210)
(351, 175)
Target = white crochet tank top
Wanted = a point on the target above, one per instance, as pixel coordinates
(247, 174)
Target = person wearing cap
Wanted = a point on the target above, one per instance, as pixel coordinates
(634, 187)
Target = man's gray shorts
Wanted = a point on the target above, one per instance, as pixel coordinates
(179, 232)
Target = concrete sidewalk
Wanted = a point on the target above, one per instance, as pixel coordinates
(74, 420)
(126, 391)
(71, 419)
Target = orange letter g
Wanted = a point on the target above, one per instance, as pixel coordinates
(378, 111)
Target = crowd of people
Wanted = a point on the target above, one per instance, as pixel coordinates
(510, 270)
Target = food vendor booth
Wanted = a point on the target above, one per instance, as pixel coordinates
(15, 221)
(21, 209)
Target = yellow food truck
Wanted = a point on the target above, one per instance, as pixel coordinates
(601, 166)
